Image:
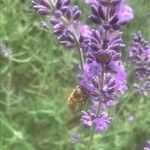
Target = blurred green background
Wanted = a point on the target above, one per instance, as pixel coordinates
(37, 76)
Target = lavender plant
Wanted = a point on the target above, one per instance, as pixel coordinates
(102, 73)
(140, 56)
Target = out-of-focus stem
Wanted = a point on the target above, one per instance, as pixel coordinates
(91, 139)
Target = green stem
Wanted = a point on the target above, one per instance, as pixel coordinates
(91, 139)
(81, 58)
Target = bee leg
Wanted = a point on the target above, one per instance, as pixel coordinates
(83, 103)
(77, 106)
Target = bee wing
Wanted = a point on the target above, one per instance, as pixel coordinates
(73, 106)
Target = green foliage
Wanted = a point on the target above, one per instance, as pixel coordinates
(37, 80)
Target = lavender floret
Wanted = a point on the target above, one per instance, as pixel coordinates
(100, 123)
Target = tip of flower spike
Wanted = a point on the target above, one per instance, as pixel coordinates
(41, 9)
(140, 56)
(74, 138)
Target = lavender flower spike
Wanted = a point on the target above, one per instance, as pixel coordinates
(147, 147)
(104, 77)
(64, 20)
(75, 138)
(140, 56)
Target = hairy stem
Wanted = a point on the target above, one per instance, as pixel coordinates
(79, 49)
(81, 57)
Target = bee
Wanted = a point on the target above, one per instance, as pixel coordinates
(78, 95)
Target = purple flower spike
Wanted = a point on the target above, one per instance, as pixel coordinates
(140, 55)
(64, 20)
(75, 138)
(147, 147)
(104, 77)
